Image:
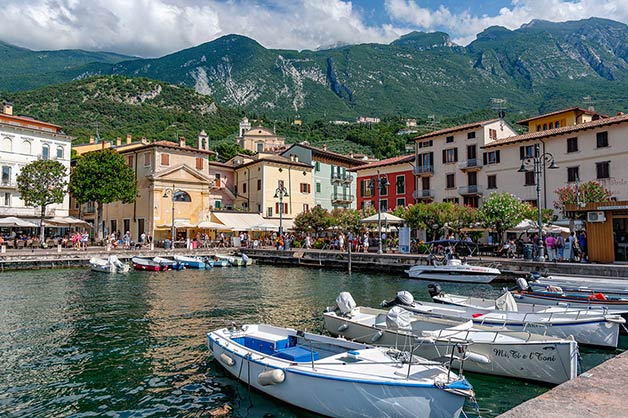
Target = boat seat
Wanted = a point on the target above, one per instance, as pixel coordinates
(297, 354)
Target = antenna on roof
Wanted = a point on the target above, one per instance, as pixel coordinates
(499, 105)
(588, 103)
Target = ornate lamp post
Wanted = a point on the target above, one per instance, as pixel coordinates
(280, 193)
(170, 192)
(381, 183)
(535, 164)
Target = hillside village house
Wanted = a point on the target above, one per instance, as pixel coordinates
(258, 139)
(22, 141)
(170, 176)
(333, 186)
(449, 162)
(257, 181)
(397, 183)
(586, 146)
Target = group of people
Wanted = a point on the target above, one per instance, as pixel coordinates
(117, 240)
(554, 245)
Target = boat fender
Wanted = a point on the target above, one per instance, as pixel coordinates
(271, 377)
(598, 296)
(478, 358)
(226, 359)
(379, 334)
(343, 327)
(615, 319)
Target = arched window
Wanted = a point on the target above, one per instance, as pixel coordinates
(59, 153)
(26, 147)
(45, 152)
(181, 196)
(6, 145)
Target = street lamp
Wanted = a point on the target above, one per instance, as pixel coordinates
(170, 192)
(535, 164)
(381, 183)
(280, 193)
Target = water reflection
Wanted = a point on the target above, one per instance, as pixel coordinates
(78, 343)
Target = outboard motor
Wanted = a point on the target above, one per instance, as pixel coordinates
(522, 283)
(345, 303)
(434, 289)
(535, 275)
(404, 297)
(245, 258)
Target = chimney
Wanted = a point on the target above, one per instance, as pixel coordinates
(324, 147)
(145, 141)
(620, 113)
(181, 141)
(91, 139)
(128, 139)
(7, 108)
(296, 158)
(118, 141)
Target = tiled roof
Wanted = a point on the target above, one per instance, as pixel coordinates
(571, 109)
(455, 129)
(530, 136)
(329, 154)
(390, 161)
(275, 159)
(171, 145)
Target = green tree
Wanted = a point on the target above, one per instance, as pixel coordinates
(502, 211)
(346, 219)
(102, 177)
(316, 219)
(42, 183)
(589, 192)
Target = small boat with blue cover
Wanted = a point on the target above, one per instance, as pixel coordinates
(336, 377)
(193, 262)
(169, 262)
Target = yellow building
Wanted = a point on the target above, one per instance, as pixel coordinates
(257, 181)
(560, 119)
(173, 187)
(258, 138)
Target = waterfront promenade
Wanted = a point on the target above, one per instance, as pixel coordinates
(26, 259)
(597, 393)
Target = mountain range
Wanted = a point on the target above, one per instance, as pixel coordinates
(539, 67)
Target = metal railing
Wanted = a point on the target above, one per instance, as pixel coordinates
(341, 178)
(423, 194)
(472, 189)
(424, 169)
(342, 197)
(470, 163)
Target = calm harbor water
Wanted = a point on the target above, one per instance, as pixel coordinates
(75, 343)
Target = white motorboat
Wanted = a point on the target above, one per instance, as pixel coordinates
(477, 348)
(592, 327)
(454, 270)
(335, 377)
(582, 283)
(547, 300)
(236, 261)
(111, 264)
(444, 265)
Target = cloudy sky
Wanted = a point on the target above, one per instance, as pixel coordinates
(151, 28)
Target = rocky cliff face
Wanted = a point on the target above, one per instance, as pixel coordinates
(539, 65)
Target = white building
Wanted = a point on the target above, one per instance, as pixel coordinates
(22, 141)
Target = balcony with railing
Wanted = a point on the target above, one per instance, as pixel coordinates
(24, 211)
(425, 194)
(340, 178)
(341, 198)
(472, 164)
(424, 170)
(8, 184)
(471, 190)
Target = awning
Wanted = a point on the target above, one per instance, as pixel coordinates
(66, 221)
(178, 223)
(213, 225)
(239, 221)
(385, 218)
(12, 221)
(286, 223)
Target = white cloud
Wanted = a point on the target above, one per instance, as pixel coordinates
(157, 27)
(464, 26)
(151, 28)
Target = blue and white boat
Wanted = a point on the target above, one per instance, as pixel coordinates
(336, 377)
(193, 262)
(219, 262)
(169, 262)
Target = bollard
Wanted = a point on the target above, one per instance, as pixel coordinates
(3, 249)
(152, 246)
(58, 248)
(108, 246)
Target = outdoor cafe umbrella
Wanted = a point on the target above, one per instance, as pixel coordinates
(12, 221)
(385, 217)
(213, 225)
